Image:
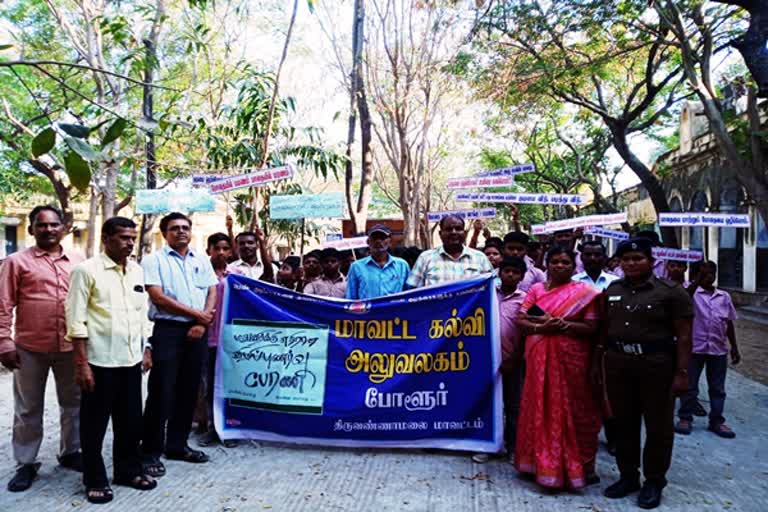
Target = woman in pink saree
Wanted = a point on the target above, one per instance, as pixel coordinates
(560, 410)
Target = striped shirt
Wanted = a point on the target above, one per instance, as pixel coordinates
(436, 266)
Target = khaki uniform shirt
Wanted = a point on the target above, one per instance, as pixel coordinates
(645, 313)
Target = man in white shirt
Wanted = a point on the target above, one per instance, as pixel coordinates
(250, 246)
(594, 258)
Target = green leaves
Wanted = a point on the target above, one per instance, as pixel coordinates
(78, 170)
(115, 130)
(5, 47)
(43, 142)
(83, 149)
(75, 130)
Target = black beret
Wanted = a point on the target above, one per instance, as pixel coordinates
(643, 245)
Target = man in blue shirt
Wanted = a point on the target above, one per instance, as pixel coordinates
(182, 290)
(594, 258)
(380, 273)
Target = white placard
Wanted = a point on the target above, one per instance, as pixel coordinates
(587, 220)
(480, 182)
(607, 233)
(347, 243)
(519, 197)
(482, 213)
(665, 253)
(252, 179)
(509, 171)
(722, 220)
(538, 229)
(203, 180)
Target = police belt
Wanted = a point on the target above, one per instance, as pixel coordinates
(637, 349)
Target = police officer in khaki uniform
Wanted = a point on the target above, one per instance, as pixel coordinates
(646, 347)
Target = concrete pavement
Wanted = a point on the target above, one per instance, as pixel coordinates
(708, 474)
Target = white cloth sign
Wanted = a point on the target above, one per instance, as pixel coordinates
(607, 233)
(665, 253)
(347, 243)
(482, 213)
(722, 220)
(252, 179)
(519, 197)
(480, 182)
(509, 171)
(587, 220)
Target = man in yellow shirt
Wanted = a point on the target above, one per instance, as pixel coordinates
(106, 312)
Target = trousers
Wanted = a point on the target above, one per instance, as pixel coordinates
(716, 367)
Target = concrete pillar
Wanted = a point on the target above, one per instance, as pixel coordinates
(749, 275)
(713, 244)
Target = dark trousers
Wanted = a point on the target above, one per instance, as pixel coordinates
(640, 389)
(512, 388)
(116, 395)
(172, 389)
(717, 367)
(208, 381)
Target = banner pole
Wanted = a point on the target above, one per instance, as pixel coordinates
(301, 258)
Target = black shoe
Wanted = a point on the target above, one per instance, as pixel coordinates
(611, 447)
(23, 478)
(650, 495)
(73, 461)
(622, 488)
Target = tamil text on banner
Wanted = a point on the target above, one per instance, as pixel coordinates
(480, 182)
(607, 233)
(163, 200)
(481, 213)
(538, 229)
(307, 206)
(723, 220)
(416, 369)
(252, 179)
(519, 197)
(509, 171)
(345, 244)
(204, 180)
(587, 220)
(665, 253)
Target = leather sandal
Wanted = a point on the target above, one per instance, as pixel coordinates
(139, 482)
(99, 495)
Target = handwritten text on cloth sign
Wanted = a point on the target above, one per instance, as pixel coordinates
(346, 243)
(252, 179)
(665, 253)
(723, 220)
(307, 206)
(509, 171)
(480, 182)
(519, 197)
(482, 213)
(607, 233)
(587, 220)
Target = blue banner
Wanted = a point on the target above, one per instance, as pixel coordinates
(416, 369)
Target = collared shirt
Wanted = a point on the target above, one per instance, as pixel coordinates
(645, 313)
(250, 271)
(712, 312)
(367, 279)
(603, 280)
(325, 287)
(109, 307)
(35, 284)
(184, 279)
(532, 276)
(436, 266)
(509, 305)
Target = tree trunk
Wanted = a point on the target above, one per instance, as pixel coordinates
(109, 196)
(366, 176)
(647, 178)
(753, 43)
(93, 211)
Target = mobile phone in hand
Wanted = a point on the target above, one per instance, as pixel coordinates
(535, 310)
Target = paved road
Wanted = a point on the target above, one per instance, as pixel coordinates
(708, 474)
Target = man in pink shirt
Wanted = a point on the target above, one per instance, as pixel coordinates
(712, 332)
(34, 283)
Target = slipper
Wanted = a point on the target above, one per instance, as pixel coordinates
(230, 443)
(683, 427)
(139, 482)
(154, 468)
(722, 430)
(73, 461)
(99, 495)
(188, 455)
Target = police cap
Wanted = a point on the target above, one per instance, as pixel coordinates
(643, 245)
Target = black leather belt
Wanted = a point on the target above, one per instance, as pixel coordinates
(637, 349)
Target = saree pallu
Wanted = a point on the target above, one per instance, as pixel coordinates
(560, 416)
